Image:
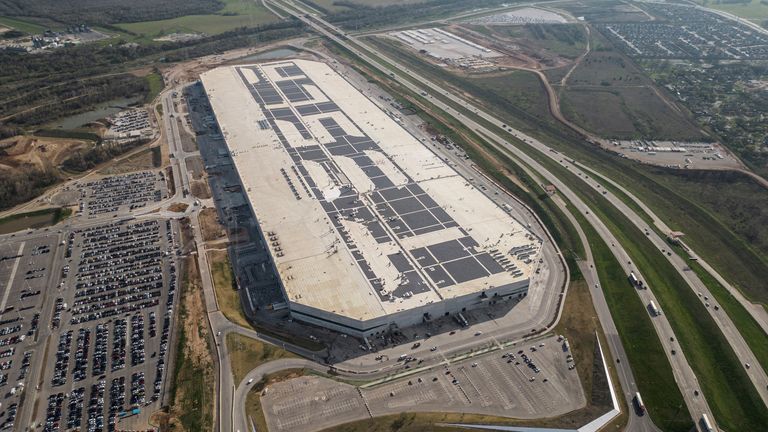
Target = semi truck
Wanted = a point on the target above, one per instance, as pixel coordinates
(637, 283)
(654, 310)
(707, 424)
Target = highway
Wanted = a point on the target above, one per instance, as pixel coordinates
(684, 375)
(757, 311)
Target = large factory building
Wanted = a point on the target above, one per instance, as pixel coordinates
(368, 228)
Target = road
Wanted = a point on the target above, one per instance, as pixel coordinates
(684, 375)
(757, 311)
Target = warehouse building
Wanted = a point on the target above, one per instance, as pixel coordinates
(368, 228)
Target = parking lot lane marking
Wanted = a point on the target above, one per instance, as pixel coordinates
(497, 342)
(10, 280)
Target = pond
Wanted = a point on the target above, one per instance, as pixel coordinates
(32, 220)
(268, 55)
(100, 111)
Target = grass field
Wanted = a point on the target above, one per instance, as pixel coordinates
(753, 10)
(155, 82)
(331, 7)
(35, 219)
(227, 296)
(567, 40)
(236, 13)
(730, 394)
(607, 116)
(609, 96)
(246, 354)
(600, 67)
(25, 26)
(523, 87)
(749, 328)
(724, 217)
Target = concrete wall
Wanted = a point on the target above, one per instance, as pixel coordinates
(403, 319)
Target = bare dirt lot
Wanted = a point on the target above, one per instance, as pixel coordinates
(178, 207)
(37, 151)
(209, 223)
(200, 189)
(139, 162)
(195, 165)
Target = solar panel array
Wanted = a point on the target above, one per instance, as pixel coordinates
(403, 211)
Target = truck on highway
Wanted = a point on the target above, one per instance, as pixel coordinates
(706, 423)
(654, 310)
(639, 404)
(637, 283)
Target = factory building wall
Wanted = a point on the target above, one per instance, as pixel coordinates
(406, 318)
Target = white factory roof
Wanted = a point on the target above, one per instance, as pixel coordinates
(362, 218)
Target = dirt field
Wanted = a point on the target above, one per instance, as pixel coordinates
(200, 189)
(37, 151)
(195, 165)
(178, 207)
(209, 223)
(139, 162)
(187, 142)
(192, 405)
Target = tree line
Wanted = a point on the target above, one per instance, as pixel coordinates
(107, 11)
(75, 78)
(24, 183)
(83, 160)
(362, 16)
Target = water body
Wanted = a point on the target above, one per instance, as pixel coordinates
(33, 221)
(268, 55)
(100, 111)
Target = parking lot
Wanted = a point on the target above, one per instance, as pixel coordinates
(121, 194)
(111, 325)
(25, 277)
(674, 154)
(531, 381)
(132, 123)
(86, 314)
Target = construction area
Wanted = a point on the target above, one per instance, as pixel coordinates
(675, 154)
(522, 16)
(368, 228)
(448, 47)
